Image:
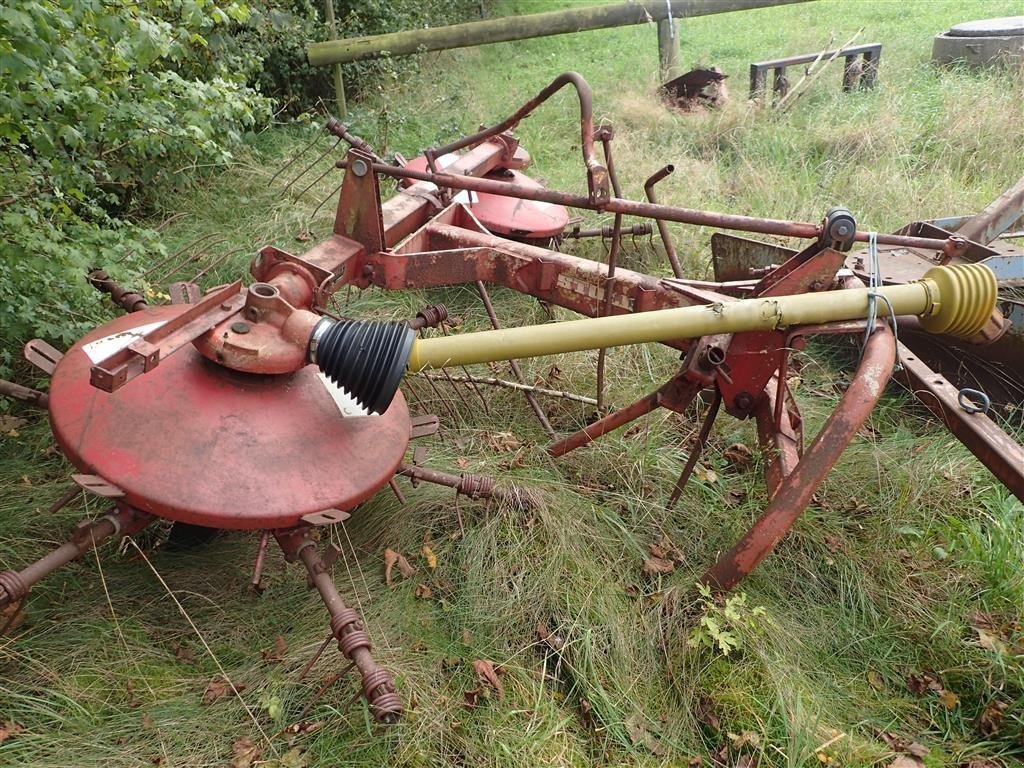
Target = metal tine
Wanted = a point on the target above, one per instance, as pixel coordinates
(171, 271)
(186, 247)
(299, 195)
(304, 150)
(514, 364)
(613, 255)
(217, 262)
(331, 194)
(696, 451)
(472, 383)
(444, 401)
(306, 170)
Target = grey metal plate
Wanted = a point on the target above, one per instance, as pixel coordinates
(1007, 26)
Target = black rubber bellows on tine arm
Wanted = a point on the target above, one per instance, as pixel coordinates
(366, 358)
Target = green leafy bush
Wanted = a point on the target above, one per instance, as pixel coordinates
(100, 104)
(104, 103)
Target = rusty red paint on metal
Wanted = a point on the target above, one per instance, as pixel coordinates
(795, 492)
(196, 442)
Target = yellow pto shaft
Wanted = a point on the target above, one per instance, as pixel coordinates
(955, 300)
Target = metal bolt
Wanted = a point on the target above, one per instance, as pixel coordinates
(743, 401)
(240, 327)
(359, 167)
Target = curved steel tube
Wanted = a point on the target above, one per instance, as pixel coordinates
(597, 174)
(666, 238)
(796, 490)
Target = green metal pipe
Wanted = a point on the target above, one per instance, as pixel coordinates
(956, 300)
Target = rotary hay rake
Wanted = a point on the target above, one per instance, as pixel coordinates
(257, 408)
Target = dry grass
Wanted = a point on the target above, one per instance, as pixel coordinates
(879, 580)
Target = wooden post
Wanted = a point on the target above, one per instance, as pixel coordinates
(668, 49)
(339, 83)
(521, 28)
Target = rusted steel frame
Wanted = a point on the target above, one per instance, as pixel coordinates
(697, 450)
(117, 369)
(25, 394)
(474, 486)
(339, 129)
(676, 393)
(517, 371)
(129, 301)
(261, 555)
(781, 443)
(996, 217)
(597, 174)
(613, 257)
(1003, 456)
(871, 52)
(666, 237)
(795, 493)
(576, 233)
(123, 520)
(409, 210)
(765, 226)
(346, 625)
(557, 278)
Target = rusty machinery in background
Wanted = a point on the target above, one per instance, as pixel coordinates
(257, 408)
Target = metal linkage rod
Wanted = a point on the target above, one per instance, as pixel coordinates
(951, 246)
(346, 625)
(123, 521)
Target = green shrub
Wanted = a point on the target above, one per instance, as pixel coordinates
(100, 104)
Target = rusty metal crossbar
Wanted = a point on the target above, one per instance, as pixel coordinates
(856, 73)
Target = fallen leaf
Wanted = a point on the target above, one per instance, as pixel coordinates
(705, 712)
(472, 696)
(738, 455)
(989, 640)
(304, 236)
(390, 558)
(920, 684)
(906, 761)
(430, 557)
(735, 498)
(277, 653)
(304, 726)
(746, 760)
(503, 442)
(423, 592)
(9, 730)
(990, 721)
(243, 753)
(12, 424)
(549, 638)
(875, 680)
(916, 749)
(638, 734)
(657, 566)
(404, 567)
(949, 700)
(705, 475)
(745, 739)
(217, 690)
(182, 652)
(11, 617)
(486, 672)
(462, 462)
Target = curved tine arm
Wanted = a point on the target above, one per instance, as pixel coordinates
(597, 174)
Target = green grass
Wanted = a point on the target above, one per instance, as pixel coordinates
(881, 578)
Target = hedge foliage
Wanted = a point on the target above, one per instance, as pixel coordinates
(103, 103)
